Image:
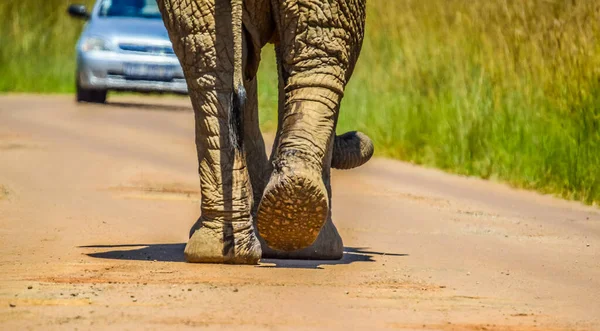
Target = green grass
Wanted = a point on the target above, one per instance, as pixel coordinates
(37, 52)
(501, 89)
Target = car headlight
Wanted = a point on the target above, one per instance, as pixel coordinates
(94, 44)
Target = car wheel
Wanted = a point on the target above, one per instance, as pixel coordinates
(89, 95)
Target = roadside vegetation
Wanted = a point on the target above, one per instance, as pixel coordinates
(38, 45)
(507, 90)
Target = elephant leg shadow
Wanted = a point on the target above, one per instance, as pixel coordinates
(140, 252)
(173, 252)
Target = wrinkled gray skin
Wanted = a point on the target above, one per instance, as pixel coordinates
(252, 206)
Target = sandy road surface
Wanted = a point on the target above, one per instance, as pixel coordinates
(96, 202)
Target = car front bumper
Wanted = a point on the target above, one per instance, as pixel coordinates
(106, 70)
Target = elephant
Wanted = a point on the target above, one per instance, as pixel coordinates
(253, 206)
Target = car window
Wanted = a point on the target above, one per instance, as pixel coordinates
(129, 8)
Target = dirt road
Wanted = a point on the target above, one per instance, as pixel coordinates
(96, 203)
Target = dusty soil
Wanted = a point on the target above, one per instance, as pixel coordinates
(96, 202)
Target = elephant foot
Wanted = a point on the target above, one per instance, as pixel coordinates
(328, 246)
(293, 209)
(223, 242)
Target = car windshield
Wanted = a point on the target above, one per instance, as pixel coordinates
(129, 8)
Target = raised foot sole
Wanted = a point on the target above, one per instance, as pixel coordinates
(292, 212)
(328, 246)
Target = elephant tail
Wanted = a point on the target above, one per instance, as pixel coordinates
(236, 112)
(351, 150)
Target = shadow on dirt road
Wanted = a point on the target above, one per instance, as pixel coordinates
(174, 253)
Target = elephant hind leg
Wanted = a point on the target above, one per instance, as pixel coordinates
(327, 246)
(319, 42)
(224, 233)
(295, 203)
(222, 242)
(293, 209)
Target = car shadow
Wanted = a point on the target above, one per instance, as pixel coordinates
(149, 106)
(174, 253)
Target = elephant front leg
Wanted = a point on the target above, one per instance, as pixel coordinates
(202, 36)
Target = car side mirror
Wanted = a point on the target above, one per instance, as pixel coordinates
(78, 11)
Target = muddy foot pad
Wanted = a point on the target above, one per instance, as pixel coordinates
(292, 211)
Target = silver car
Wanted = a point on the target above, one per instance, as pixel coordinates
(124, 46)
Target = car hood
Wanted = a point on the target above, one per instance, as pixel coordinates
(131, 29)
